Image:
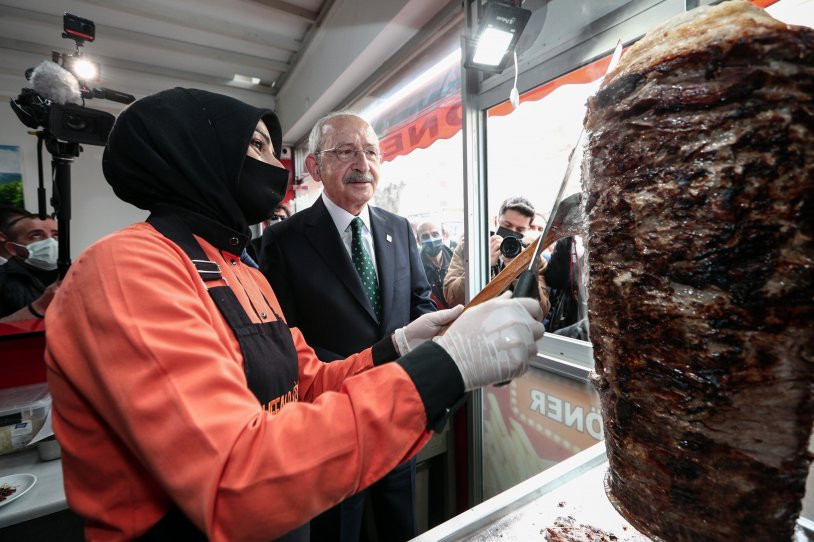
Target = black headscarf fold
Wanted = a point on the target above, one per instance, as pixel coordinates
(183, 149)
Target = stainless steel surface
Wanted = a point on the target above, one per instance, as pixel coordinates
(574, 487)
(565, 356)
(476, 257)
(46, 497)
(522, 512)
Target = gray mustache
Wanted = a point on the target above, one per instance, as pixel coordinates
(359, 177)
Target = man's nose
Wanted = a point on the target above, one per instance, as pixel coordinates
(360, 161)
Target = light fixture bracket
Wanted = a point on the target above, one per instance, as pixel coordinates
(503, 23)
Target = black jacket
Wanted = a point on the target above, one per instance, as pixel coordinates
(320, 292)
(20, 285)
(435, 275)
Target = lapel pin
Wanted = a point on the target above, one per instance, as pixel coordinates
(389, 238)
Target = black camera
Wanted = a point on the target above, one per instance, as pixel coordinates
(66, 122)
(512, 243)
(52, 108)
(46, 105)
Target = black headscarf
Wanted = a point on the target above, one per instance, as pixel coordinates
(182, 150)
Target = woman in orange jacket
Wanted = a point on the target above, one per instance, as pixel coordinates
(185, 406)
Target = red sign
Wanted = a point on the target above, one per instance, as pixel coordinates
(441, 122)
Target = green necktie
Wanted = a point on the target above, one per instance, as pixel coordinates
(364, 266)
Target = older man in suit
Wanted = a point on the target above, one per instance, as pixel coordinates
(347, 274)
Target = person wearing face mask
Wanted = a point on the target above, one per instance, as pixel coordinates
(185, 405)
(8, 213)
(514, 218)
(436, 257)
(29, 279)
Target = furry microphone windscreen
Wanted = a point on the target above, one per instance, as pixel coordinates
(52, 81)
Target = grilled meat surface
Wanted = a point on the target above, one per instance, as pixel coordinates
(699, 175)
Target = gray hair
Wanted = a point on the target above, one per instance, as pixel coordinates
(318, 131)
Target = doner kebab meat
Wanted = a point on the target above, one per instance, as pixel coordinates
(699, 174)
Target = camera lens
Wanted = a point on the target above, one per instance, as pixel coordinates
(75, 122)
(510, 247)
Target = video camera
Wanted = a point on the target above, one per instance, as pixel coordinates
(55, 106)
(56, 103)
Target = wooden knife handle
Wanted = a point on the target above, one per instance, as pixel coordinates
(503, 279)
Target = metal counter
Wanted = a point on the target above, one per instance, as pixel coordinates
(574, 487)
(46, 497)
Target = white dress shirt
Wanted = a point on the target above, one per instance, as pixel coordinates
(342, 220)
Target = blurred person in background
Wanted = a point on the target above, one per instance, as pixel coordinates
(514, 216)
(564, 274)
(448, 241)
(281, 212)
(29, 279)
(538, 222)
(7, 214)
(435, 256)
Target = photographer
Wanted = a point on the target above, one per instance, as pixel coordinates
(514, 220)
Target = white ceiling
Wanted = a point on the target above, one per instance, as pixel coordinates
(308, 54)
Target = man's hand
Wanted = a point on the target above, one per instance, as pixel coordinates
(41, 303)
(494, 249)
(424, 328)
(495, 341)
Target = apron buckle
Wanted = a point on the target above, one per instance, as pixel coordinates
(208, 270)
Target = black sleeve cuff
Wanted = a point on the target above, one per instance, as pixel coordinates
(438, 381)
(384, 351)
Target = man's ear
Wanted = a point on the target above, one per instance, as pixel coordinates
(312, 165)
(16, 250)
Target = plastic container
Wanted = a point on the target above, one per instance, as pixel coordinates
(22, 414)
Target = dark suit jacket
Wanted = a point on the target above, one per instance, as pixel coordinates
(320, 292)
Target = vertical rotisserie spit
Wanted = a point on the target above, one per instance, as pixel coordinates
(699, 174)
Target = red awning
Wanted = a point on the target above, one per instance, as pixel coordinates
(442, 119)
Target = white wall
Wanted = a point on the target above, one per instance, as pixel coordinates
(95, 210)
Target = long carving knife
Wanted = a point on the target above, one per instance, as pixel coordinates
(527, 282)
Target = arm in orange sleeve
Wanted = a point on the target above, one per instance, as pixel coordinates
(135, 341)
(317, 377)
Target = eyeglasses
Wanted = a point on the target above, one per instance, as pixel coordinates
(348, 154)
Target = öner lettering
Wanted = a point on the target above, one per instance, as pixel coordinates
(561, 411)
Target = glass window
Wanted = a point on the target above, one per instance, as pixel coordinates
(544, 417)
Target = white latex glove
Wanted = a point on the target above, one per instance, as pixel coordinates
(424, 328)
(494, 342)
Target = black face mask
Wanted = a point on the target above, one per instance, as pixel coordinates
(432, 246)
(260, 188)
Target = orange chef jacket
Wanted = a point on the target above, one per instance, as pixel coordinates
(151, 404)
